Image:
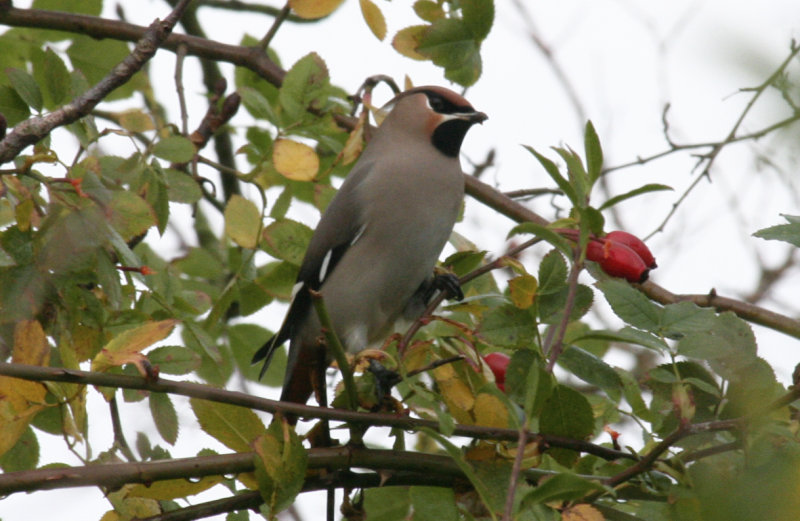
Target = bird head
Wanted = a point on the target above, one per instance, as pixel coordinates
(435, 113)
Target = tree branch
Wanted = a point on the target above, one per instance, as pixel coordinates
(205, 392)
(34, 129)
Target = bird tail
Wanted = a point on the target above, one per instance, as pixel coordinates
(265, 353)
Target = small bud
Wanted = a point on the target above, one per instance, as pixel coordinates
(636, 244)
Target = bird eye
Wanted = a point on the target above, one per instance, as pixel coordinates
(436, 103)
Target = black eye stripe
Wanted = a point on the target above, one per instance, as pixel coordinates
(443, 105)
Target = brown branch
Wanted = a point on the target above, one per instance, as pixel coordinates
(744, 310)
(205, 392)
(34, 129)
(96, 27)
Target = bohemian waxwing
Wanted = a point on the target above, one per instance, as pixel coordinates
(374, 250)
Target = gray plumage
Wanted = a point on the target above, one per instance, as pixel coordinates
(374, 250)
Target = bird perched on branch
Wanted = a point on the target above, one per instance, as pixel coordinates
(374, 250)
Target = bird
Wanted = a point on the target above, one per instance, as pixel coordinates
(373, 253)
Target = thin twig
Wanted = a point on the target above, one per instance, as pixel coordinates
(276, 24)
(119, 436)
(515, 471)
(179, 57)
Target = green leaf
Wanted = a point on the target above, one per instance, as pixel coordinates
(561, 487)
(165, 417)
(24, 455)
(631, 305)
(428, 10)
(244, 340)
(449, 43)
(683, 318)
(53, 76)
(782, 232)
(552, 306)
(233, 426)
(242, 221)
(552, 273)
(177, 149)
(543, 232)
(485, 492)
(90, 7)
(527, 381)
(578, 177)
(652, 187)
(287, 240)
(633, 395)
(131, 216)
(478, 15)
(728, 346)
(555, 175)
(305, 87)
(387, 503)
(628, 335)
(433, 504)
(181, 187)
(592, 370)
(508, 326)
(95, 59)
(26, 87)
(176, 360)
(12, 107)
(256, 104)
(566, 413)
(593, 151)
(281, 463)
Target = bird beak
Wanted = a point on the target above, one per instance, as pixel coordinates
(471, 117)
(476, 117)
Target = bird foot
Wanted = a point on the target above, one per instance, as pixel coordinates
(449, 284)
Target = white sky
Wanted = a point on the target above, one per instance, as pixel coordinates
(625, 58)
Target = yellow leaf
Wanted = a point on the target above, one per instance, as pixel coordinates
(523, 290)
(127, 346)
(355, 142)
(173, 488)
(135, 120)
(490, 411)
(294, 160)
(30, 344)
(311, 9)
(582, 513)
(242, 221)
(456, 394)
(407, 40)
(374, 18)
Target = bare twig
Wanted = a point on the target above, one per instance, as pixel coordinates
(508, 512)
(180, 55)
(276, 24)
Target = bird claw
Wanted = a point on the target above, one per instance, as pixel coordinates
(385, 379)
(449, 284)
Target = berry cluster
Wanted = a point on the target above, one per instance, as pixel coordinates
(620, 254)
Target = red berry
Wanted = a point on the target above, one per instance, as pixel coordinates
(636, 244)
(498, 363)
(617, 260)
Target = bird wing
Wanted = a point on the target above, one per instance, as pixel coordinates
(340, 227)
